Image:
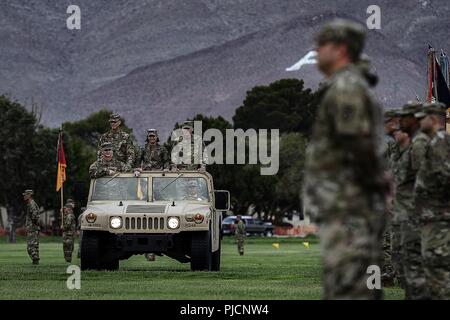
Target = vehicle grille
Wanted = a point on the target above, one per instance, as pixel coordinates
(144, 223)
(145, 209)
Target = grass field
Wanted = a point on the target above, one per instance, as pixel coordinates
(264, 272)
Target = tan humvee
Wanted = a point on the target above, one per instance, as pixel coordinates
(177, 214)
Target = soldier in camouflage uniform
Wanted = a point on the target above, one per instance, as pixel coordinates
(391, 125)
(69, 229)
(107, 165)
(197, 148)
(404, 208)
(345, 182)
(240, 234)
(32, 226)
(153, 155)
(121, 142)
(432, 196)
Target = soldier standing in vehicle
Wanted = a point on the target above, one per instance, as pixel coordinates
(432, 199)
(345, 183)
(197, 147)
(32, 226)
(240, 234)
(69, 229)
(153, 155)
(121, 142)
(107, 165)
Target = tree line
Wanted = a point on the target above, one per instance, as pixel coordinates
(28, 159)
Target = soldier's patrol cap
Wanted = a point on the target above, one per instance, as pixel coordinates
(192, 184)
(28, 191)
(431, 108)
(389, 114)
(188, 125)
(343, 31)
(70, 201)
(115, 117)
(107, 146)
(410, 108)
(152, 132)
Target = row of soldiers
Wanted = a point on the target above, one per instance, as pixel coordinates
(117, 152)
(418, 156)
(32, 227)
(347, 182)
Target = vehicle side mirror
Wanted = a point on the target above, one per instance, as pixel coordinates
(222, 200)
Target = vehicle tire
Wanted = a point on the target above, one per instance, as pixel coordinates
(268, 233)
(216, 258)
(90, 250)
(201, 251)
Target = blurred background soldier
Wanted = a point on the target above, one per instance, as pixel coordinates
(69, 229)
(240, 234)
(432, 196)
(153, 155)
(345, 182)
(107, 165)
(32, 226)
(407, 166)
(391, 125)
(196, 150)
(121, 142)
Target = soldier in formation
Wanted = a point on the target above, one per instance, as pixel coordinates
(197, 159)
(153, 156)
(240, 234)
(432, 196)
(345, 183)
(32, 226)
(69, 229)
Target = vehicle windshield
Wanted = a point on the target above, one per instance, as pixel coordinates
(119, 188)
(180, 188)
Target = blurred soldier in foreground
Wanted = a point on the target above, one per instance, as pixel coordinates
(240, 234)
(107, 165)
(121, 142)
(69, 229)
(153, 155)
(411, 157)
(32, 226)
(345, 185)
(391, 125)
(432, 195)
(196, 149)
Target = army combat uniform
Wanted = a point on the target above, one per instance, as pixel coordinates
(406, 171)
(69, 232)
(154, 157)
(101, 167)
(344, 188)
(198, 159)
(432, 194)
(122, 144)
(32, 227)
(240, 236)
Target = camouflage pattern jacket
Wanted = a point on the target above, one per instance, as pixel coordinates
(344, 160)
(240, 229)
(405, 172)
(32, 216)
(100, 168)
(154, 157)
(432, 188)
(123, 146)
(70, 223)
(197, 149)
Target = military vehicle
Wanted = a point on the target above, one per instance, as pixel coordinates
(176, 214)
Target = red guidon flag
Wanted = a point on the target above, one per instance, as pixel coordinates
(61, 177)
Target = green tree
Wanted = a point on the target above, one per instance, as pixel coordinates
(285, 105)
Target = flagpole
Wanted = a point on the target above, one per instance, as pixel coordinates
(62, 205)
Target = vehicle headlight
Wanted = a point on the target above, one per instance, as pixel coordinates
(173, 222)
(115, 222)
